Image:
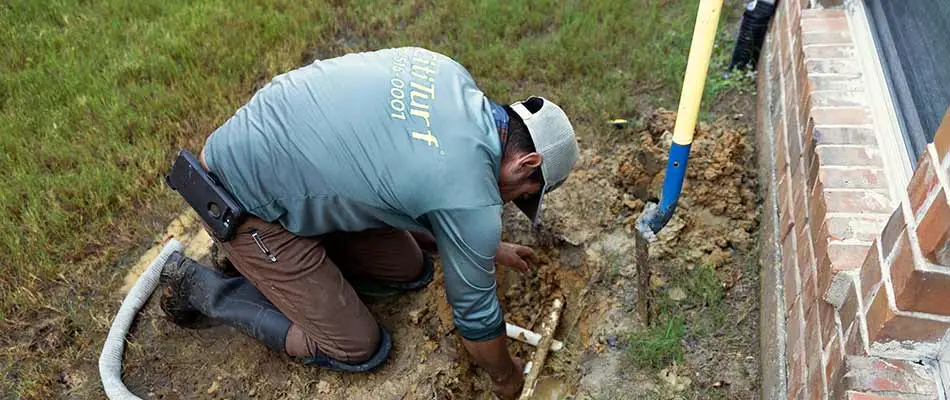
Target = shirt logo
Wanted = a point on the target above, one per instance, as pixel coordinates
(423, 66)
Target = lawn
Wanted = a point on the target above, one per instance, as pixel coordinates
(96, 96)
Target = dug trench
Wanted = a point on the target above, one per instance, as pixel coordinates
(584, 248)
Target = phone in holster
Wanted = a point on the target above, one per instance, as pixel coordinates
(202, 190)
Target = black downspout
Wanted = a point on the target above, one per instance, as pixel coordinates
(755, 23)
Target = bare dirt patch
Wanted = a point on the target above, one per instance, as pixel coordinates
(584, 257)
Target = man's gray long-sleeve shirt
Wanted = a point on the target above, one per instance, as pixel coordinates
(397, 137)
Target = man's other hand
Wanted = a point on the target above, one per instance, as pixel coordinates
(510, 388)
(506, 372)
(515, 256)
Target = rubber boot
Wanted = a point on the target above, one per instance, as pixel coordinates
(192, 291)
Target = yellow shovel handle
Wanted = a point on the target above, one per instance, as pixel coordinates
(700, 51)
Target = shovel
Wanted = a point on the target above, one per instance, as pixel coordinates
(655, 216)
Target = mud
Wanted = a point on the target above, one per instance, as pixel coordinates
(582, 246)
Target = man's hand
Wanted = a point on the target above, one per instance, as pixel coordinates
(507, 373)
(511, 388)
(515, 256)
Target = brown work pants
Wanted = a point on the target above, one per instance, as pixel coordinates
(307, 285)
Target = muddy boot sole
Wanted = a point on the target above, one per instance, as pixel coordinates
(174, 295)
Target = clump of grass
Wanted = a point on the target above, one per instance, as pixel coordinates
(700, 313)
(657, 346)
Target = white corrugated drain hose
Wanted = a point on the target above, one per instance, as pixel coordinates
(110, 361)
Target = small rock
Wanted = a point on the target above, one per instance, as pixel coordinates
(415, 316)
(213, 388)
(612, 341)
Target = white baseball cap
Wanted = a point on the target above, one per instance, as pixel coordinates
(553, 137)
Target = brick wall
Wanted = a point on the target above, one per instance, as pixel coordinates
(865, 275)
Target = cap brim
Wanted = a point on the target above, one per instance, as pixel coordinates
(531, 206)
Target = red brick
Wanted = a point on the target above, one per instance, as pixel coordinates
(796, 371)
(846, 257)
(860, 228)
(850, 178)
(808, 139)
(844, 68)
(794, 24)
(833, 361)
(926, 291)
(818, 209)
(803, 250)
(826, 275)
(921, 184)
(790, 272)
(811, 25)
(844, 135)
(786, 221)
(852, 395)
(798, 58)
(795, 322)
(908, 378)
(857, 201)
(795, 348)
(933, 232)
(892, 231)
(826, 318)
(793, 136)
(813, 344)
(849, 156)
(821, 243)
(799, 206)
(804, 95)
(903, 327)
(812, 167)
(784, 61)
(942, 137)
(809, 290)
(854, 342)
(833, 82)
(816, 382)
(797, 394)
(849, 308)
(841, 116)
(781, 37)
(826, 38)
(902, 266)
(870, 271)
(805, 103)
(878, 313)
(820, 13)
(831, 51)
(834, 98)
(781, 150)
(782, 183)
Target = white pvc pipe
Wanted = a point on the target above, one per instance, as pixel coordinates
(110, 361)
(523, 335)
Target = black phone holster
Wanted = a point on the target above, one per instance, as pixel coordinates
(219, 210)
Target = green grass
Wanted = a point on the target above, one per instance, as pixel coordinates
(96, 96)
(699, 313)
(719, 80)
(656, 346)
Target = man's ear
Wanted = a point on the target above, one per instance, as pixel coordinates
(531, 160)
